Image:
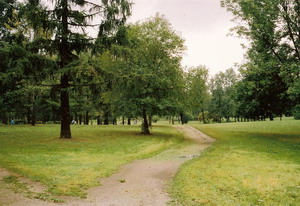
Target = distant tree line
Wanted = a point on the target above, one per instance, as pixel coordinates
(268, 84)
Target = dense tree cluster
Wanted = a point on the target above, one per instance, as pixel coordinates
(53, 71)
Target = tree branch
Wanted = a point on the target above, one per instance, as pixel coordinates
(291, 35)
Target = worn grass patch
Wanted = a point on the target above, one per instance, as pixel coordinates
(253, 163)
(69, 167)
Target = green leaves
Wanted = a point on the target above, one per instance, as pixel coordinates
(147, 68)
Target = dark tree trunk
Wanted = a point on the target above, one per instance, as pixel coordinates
(76, 117)
(115, 121)
(145, 125)
(271, 117)
(80, 119)
(181, 118)
(129, 121)
(123, 120)
(65, 54)
(65, 130)
(173, 121)
(106, 118)
(99, 122)
(86, 122)
(33, 111)
(33, 116)
(28, 116)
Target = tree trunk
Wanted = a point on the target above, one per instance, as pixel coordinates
(145, 125)
(181, 118)
(106, 118)
(86, 122)
(123, 120)
(271, 116)
(129, 121)
(80, 119)
(65, 129)
(76, 117)
(33, 111)
(203, 116)
(173, 120)
(28, 115)
(65, 54)
(99, 120)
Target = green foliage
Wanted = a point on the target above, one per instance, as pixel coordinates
(222, 104)
(272, 73)
(148, 76)
(186, 117)
(296, 112)
(197, 89)
(255, 163)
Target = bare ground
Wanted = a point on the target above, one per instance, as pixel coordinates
(142, 182)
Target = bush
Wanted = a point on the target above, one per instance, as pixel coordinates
(186, 117)
(296, 111)
(155, 119)
(200, 118)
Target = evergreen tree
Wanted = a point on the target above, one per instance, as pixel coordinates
(68, 22)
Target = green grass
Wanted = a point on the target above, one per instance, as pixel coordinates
(253, 163)
(69, 167)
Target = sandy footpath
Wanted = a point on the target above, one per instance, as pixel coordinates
(142, 182)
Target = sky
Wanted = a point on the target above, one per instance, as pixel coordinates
(204, 25)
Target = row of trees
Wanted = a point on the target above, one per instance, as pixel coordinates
(268, 83)
(52, 70)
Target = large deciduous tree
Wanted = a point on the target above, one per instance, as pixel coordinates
(148, 72)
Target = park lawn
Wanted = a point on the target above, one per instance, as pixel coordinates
(69, 167)
(252, 163)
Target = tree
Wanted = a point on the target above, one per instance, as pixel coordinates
(148, 72)
(222, 89)
(198, 89)
(67, 21)
(272, 26)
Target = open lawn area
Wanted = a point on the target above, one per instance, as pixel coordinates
(70, 166)
(251, 163)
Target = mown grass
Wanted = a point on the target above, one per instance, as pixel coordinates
(253, 163)
(69, 167)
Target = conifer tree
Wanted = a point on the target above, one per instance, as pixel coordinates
(68, 22)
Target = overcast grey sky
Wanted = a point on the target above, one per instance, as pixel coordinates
(204, 24)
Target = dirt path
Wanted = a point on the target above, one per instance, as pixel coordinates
(142, 182)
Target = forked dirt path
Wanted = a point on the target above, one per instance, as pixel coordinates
(142, 182)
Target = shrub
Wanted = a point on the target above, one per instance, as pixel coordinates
(296, 111)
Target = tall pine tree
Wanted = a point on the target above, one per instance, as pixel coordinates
(69, 22)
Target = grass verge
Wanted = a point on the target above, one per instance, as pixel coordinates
(253, 163)
(69, 167)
